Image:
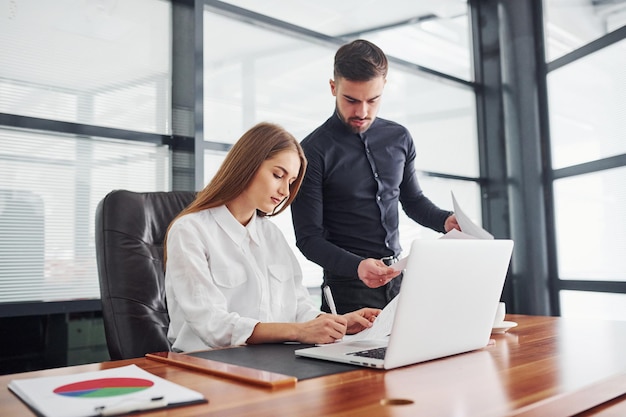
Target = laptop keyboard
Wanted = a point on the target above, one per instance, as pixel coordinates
(376, 353)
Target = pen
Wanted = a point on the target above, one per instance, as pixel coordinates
(130, 406)
(329, 299)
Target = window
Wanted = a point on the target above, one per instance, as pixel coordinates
(586, 88)
(570, 24)
(69, 67)
(596, 305)
(587, 111)
(263, 73)
(50, 185)
(433, 34)
(590, 224)
(113, 68)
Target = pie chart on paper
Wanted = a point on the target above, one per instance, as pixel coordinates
(103, 387)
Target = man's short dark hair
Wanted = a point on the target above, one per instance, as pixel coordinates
(360, 60)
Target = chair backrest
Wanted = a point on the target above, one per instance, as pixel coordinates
(130, 228)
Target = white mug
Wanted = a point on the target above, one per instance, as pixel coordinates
(500, 312)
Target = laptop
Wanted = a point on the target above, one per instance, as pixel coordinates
(446, 306)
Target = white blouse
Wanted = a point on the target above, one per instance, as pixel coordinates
(223, 278)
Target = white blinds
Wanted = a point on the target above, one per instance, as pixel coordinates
(50, 186)
(96, 63)
(105, 63)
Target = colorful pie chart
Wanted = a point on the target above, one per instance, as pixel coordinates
(103, 387)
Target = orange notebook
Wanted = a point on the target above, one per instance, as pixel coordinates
(239, 373)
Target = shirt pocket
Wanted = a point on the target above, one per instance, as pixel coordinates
(282, 292)
(231, 277)
(280, 273)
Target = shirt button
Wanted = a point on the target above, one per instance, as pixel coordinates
(378, 198)
(375, 174)
(367, 149)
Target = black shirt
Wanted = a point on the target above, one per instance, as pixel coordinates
(347, 207)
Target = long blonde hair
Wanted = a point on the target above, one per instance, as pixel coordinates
(261, 142)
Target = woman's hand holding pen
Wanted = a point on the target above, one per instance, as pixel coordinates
(328, 328)
(325, 328)
(357, 320)
(374, 273)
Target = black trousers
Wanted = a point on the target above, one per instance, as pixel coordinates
(350, 293)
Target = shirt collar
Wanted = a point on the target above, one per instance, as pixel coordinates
(235, 230)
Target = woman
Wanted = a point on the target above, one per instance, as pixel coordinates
(230, 276)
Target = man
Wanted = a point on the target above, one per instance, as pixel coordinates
(359, 167)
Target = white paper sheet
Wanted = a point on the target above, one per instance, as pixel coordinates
(467, 225)
(382, 325)
(455, 234)
(401, 264)
(77, 401)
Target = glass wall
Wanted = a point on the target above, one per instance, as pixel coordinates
(571, 24)
(85, 95)
(258, 74)
(278, 71)
(588, 107)
(586, 90)
(99, 63)
(50, 185)
(590, 213)
(433, 34)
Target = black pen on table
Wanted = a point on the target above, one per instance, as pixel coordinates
(329, 299)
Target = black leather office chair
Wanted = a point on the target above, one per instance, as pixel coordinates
(130, 228)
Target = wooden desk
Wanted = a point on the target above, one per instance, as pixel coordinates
(547, 366)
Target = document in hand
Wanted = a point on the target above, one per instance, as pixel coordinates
(469, 229)
(109, 392)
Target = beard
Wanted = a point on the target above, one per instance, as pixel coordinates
(351, 127)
